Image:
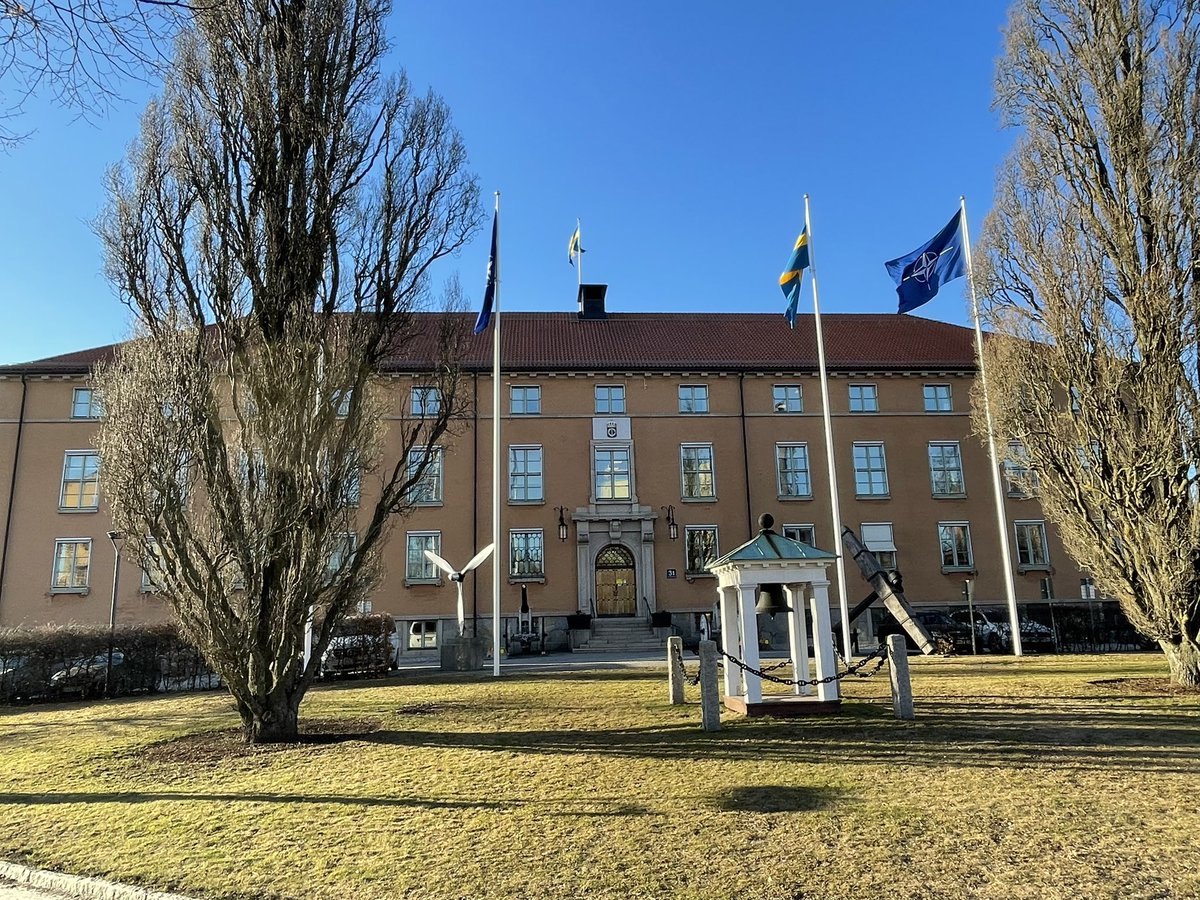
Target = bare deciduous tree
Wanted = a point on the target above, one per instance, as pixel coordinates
(78, 51)
(1092, 283)
(272, 233)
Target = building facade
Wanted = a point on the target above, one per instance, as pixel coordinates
(637, 448)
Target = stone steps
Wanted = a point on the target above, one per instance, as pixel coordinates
(621, 636)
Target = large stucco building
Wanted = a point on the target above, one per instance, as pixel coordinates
(616, 425)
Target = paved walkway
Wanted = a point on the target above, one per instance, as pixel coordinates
(11, 891)
(19, 882)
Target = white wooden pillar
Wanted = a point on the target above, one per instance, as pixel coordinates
(823, 640)
(747, 597)
(793, 595)
(727, 600)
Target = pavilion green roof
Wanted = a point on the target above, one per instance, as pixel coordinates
(768, 546)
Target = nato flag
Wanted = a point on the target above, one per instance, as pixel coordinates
(919, 274)
(489, 293)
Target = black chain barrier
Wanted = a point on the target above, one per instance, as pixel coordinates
(879, 654)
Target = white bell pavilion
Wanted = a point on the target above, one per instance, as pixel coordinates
(771, 559)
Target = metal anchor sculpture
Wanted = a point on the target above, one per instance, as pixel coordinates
(888, 588)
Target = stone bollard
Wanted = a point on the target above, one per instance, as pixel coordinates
(675, 680)
(710, 696)
(902, 698)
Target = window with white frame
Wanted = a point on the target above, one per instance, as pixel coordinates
(152, 567)
(525, 474)
(937, 398)
(341, 400)
(80, 481)
(426, 401)
(525, 556)
(877, 537)
(252, 470)
(342, 547)
(870, 470)
(420, 567)
(422, 635)
(1032, 551)
(525, 400)
(805, 534)
(693, 398)
(612, 474)
(1021, 477)
(791, 468)
(85, 404)
(72, 559)
(700, 547)
(696, 470)
(945, 469)
(787, 398)
(351, 493)
(955, 541)
(610, 399)
(1088, 456)
(864, 398)
(429, 488)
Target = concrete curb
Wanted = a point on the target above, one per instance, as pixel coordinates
(78, 886)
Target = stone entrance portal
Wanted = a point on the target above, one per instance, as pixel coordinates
(616, 582)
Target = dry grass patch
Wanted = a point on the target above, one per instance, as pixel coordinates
(1042, 777)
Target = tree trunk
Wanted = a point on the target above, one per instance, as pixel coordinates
(1184, 661)
(272, 720)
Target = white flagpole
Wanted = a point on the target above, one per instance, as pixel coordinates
(579, 255)
(1001, 520)
(834, 505)
(497, 472)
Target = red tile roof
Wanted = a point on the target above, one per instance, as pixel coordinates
(667, 342)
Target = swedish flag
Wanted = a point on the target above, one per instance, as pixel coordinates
(789, 281)
(573, 248)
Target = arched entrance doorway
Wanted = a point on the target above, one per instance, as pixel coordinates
(616, 582)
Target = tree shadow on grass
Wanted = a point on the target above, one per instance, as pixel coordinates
(774, 798)
(954, 734)
(573, 807)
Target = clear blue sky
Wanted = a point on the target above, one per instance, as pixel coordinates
(684, 136)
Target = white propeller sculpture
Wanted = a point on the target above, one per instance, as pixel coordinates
(457, 578)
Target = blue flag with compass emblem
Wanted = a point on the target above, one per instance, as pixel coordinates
(919, 274)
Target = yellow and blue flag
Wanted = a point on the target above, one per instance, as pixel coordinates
(793, 272)
(573, 248)
(489, 292)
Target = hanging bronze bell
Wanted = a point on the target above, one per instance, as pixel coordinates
(770, 600)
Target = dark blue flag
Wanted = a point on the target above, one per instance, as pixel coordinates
(489, 293)
(919, 274)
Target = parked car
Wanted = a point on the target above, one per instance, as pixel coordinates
(22, 678)
(85, 677)
(949, 636)
(994, 633)
(367, 645)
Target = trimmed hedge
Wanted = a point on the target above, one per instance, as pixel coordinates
(70, 661)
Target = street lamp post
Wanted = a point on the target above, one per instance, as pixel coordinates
(113, 536)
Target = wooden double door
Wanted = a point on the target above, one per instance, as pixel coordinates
(616, 582)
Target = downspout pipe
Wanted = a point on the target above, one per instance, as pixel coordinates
(745, 452)
(12, 487)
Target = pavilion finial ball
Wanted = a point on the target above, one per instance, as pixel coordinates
(765, 521)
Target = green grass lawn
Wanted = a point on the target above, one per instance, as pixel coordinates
(1037, 778)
